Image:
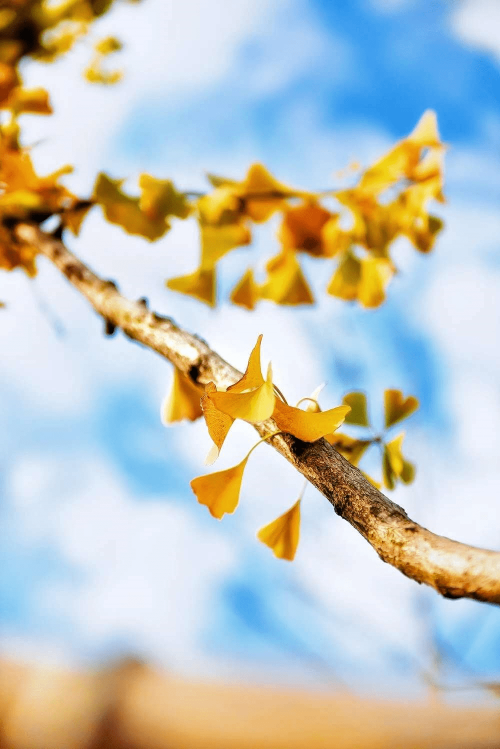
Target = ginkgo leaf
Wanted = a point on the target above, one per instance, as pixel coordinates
(397, 407)
(394, 464)
(334, 239)
(108, 45)
(159, 199)
(282, 535)
(253, 406)
(183, 400)
(375, 276)
(219, 239)
(253, 373)
(345, 281)
(305, 425)
(302, 228)
(201, 284)
(286, 283)
(350, 448)
(222, 206)
(125, 211)
(30, 101)
(259, 182)
(358, 413)
(246, 292)
(425, 132)
(218, 423)
(220, 491)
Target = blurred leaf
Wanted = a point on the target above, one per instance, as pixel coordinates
(282, 535)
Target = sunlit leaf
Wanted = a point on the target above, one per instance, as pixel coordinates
(425, 132)
(302, 228)
(183, 400)
(286, 283)
(268, 193)
(220, 491)
(200, 284)
(246, 292)
(252, 405)
(334, 240)
(218, 240)
(282, 535)
(125, 211)
(375, 276)
(218, 423)
(159, 199)
(30, 101)
(358, 413)
(345, 281)
(397, 407)
(395, 466)
(253, 374)
(305, 425)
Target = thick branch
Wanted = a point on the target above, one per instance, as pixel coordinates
(455, 570)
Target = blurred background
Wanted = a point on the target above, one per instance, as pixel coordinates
(105, 554)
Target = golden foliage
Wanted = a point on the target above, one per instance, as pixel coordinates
(282, 535)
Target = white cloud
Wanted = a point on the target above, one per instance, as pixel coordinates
(477, 23)
(145, 572)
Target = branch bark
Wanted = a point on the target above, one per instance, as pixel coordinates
(453, 569)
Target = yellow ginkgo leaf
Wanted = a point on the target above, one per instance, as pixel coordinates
(358, 414)
(220, 491)
(302, 228)
(350, 448)
(286, 283)
(200, 284)
(397, 407)
(246, 292)
(108, 45)
(305, 425)
(183, 400)
(394, 464)
(425, 132)
(159, 199)
(268, 192)
(345, 281)
(376, 273)
(125, 211)
(334, 240)
(253, 373)
(219, 239)
(218, 423)
(253, 406)
(282, 535)
(30, 101)
(221, 206)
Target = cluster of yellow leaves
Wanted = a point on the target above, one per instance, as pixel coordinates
(253, 399)
(395, 467)
(24, 194)
(43, 30)
(96, 73)
(390, 200)
(146, 215)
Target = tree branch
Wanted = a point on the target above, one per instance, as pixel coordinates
(453, 569)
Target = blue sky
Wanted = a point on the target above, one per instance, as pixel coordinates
(104, 551)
